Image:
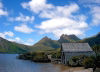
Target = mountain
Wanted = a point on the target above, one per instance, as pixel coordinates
(94, 40)
(46, 44)
(49, 44)
(68, 38)
(12, 47)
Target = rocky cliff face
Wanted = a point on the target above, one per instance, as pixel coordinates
(68, 38)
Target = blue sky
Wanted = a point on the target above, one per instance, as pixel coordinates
(27, 21)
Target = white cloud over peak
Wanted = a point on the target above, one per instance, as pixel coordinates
(36, 5)
(59, 26)
(22, 18)
(63, 21)
(2, 11)
(24, 29)
(8, 33)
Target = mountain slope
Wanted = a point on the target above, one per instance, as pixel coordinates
(46, 44)
(94, 40)
(12, 47)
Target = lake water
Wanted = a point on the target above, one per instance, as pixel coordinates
(9, 63)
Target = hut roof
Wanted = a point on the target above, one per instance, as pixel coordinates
(76, 47)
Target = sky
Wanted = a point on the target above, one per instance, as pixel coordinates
(27, 21)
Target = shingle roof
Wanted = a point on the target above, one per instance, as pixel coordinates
(76, 47)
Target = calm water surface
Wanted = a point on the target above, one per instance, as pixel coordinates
(9, 63)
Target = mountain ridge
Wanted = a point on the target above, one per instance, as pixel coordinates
(11, 47)
(46, 43)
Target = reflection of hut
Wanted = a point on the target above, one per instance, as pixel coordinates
(74, 49)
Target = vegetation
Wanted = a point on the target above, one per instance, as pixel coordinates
(35, 56)
(12, 47)
(76, 60)
(94, 40)
(56, 54)
(88, 62)
(41, 56)
(82, 60)
(46, 44)
(49, 44)
(96, 48)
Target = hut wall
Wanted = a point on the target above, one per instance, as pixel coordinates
(68, 55)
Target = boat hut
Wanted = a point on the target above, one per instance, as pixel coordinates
(74, 49)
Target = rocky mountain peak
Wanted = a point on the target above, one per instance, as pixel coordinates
(46, 38)
(68, 38)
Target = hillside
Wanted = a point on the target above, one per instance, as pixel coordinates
(46, 44)
(12, 47)
(49, 44)
(94, 40)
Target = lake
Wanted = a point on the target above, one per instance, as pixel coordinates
(9, 63)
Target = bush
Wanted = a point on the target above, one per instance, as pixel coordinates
(88, 62)
(76, 60)
(56, 55)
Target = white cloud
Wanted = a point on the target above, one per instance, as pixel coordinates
(96, 15)
(62, 21)
(59, 26)
(24, 28)
(30, 40)
(2, 11)
(60, 11)
(19, 40)
(4, 34)
(9, 33)
(94, 6)
(22, 18)
(36, 5)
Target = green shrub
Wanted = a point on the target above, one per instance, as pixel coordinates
(56, 55)
(76, 60)
(88, 62)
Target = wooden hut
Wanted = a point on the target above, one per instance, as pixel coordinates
(74, 49)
